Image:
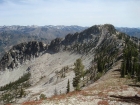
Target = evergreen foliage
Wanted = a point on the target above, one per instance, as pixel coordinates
(42, 96)
(111, 28)
(22, 79)
(121, 35)
(131, 63)
(7, 97)
(21, 92)
(15, 89)
(100, 64)
(79, 72)
(68, 86)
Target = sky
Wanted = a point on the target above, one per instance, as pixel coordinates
(120, 13)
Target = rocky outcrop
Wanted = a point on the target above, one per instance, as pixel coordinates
(90, 36)
(20, 53)
(55, 45)
(83, 36)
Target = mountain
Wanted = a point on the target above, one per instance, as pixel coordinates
(13, 35)
(48, 32)
(35, 70)
(78, 42)
(130, 31)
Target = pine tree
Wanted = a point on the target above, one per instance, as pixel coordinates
(21, 92)
(100, 64)
(123, 69)
(68, 86)
(42, 96)
(130, 66)
(78, 70)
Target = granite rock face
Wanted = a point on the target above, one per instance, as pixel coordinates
(88, 36)
(55, 45)
(20, 53)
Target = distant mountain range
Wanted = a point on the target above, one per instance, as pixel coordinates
(49, 32)
(13, 35)
(130, 31)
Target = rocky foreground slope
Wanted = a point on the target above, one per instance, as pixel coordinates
(108, 90)
(48, 68)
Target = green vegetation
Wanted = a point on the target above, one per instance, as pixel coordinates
(106, 55)
(68, 87)
(82, 48)
(79, 72)
(121, 36)
(111, 28)
(105, 59)
(63, 71)
(15, 89)
(42, 96)
(6, 97)
(22, 92)
(98, 76)
(100, 64)
(22, 79)
(131, 63)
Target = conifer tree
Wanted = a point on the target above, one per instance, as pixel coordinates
(21, 92)
(78, 70)
(130, 64)
(123, 69)
(68, 86)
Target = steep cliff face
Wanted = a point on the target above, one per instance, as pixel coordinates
(55, 45)
(20, 53)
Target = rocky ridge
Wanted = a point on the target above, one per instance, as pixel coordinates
(51, 70)
(20, 53)
(13, 35)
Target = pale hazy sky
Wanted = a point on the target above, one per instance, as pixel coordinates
(125, 13)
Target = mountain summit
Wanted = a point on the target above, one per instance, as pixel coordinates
(34, 70)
